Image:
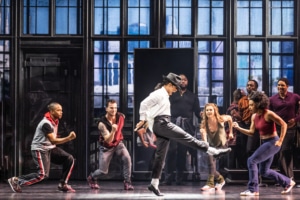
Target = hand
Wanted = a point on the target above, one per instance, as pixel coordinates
(114, 127)
(72, 135)
(230, 136)
(291, 123)
(141, 124)
(235, 125)
(278, 143)
(141, 133)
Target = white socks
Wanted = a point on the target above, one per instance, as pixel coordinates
(155, 182)
(211, 151)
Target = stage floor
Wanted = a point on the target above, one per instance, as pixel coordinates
(114, 190)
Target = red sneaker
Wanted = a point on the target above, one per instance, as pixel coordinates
(13, 182)
(128, 186)
(93, 184)
(65, 188)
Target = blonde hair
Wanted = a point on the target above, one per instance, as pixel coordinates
(217, 115)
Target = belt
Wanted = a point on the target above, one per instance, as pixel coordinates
(162, 117)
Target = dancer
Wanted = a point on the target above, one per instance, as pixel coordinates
(157, 106)
(212, 130)
(44, 151)
(111, 142)
(184, 104)
(264, 121)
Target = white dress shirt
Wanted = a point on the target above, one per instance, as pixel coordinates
(156, 104)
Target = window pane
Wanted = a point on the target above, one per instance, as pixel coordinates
(178, 18)
(68, 17)
(203, 21)
(281, 61)
(217, 21)
(210, 17)
(107, 17)
(106, 73)
(249, 17)
(249, 63)
(178, 44)
(210, 72)
(281, 12)
(5, 17)
(36, 17)
(138, 17)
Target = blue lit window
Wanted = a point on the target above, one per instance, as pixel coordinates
(249, 63)
(249, 17)
(281, 17)
(36, 17)
(281, 61)
(107, 17)
(106, 72)
(138, 17)
(210, 72)
(210, 17)
(68, 17)
(178, 17)
(5, 17)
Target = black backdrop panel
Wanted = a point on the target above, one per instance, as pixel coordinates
(149, 67)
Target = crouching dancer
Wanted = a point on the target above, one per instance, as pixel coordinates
(111, 142)
(44, 151)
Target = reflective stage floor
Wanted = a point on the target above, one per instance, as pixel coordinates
(114, 190)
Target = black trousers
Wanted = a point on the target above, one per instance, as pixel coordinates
(166, 131)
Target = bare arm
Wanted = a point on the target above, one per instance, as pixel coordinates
(54, 140)
(228, 118)
(203, 134)
(248, 132)
(108, 136)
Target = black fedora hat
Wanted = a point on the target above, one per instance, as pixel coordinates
(174, 79)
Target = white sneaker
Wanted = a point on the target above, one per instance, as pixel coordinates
(219, 185)
(249, 193)
(207, 187)
(288, 188)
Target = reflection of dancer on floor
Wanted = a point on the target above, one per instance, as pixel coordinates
(212, 130)
(157, 106)
(265, 122)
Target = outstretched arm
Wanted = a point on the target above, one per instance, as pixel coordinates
(248, 132)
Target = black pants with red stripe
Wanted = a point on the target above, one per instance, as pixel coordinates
(42, 160)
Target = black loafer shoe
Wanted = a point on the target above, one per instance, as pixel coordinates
(155, 191)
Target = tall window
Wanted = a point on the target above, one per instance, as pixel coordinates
(106, 73)
(281, 61)
(281, 17)
(5, 17)
(249, 63)
(138, 17)
(107, 17)
(36, 17)
(210, 72)
(178, 17)
(68, 17)
(210, 17)
(249, 17)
